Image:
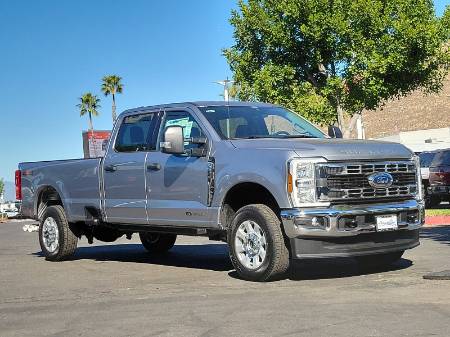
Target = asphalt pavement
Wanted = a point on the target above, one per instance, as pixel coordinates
(120, 290)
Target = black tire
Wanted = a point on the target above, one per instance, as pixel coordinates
(276, 261)
(157, 242)
(379, 260)
(67, 240)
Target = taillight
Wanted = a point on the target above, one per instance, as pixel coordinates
(18, 181)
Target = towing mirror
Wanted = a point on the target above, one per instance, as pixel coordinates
(334, 132)
(173, 140)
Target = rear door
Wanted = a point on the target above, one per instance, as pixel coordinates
(178, 184)
(124, 169)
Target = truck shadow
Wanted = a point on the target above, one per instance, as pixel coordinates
(338, 268)
(215, 257)
(440, 234)
(206, 256)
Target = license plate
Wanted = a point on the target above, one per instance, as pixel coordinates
(387, 223)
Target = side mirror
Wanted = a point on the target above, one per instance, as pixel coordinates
(173, 140)
(334, 132)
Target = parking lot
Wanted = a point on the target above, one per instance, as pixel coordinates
(119, 290)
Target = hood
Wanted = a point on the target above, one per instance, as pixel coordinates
(330, 149)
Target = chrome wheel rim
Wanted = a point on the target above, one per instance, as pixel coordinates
(250, 244)
(50, 234)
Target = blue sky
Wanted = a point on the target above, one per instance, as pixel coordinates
(52, 51)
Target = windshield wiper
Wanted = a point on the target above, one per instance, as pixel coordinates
(275, 137)
(296, 136)
(252, 137)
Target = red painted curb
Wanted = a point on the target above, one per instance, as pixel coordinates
(437, 220)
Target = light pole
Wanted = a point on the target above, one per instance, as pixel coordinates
(225, 83)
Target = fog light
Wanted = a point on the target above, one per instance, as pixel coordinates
(315, 222)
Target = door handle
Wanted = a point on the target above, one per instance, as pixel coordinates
(154, 167)
(110, 168)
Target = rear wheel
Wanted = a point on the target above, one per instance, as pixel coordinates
(257, 248)
(157, 242)
(379, 260)
(57, 240)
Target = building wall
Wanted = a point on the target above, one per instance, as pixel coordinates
(414, 112)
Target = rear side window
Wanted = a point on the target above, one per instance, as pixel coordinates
(441, 158)
(136, 133)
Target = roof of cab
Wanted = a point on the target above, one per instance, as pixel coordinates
(194, 104)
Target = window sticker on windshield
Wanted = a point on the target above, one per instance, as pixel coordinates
(184, 123)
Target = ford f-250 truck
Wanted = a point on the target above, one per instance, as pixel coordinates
(257, 176)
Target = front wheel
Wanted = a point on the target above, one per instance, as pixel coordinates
(57, 240)
(157, 242)
(379, 260)
(257, 247)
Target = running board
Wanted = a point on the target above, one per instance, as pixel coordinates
(190, 231)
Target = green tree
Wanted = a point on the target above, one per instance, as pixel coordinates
(445, 22)
(88, 105)
(111, 86)
(2, 186)
(233, 92)
(328, 58)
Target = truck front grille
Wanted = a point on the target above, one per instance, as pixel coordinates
(344, 181)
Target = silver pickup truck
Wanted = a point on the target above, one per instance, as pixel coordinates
(257, 176)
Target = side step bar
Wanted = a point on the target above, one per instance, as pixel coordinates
(190, 231)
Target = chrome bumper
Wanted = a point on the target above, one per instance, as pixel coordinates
(299, 222)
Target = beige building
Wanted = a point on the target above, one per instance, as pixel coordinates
(428, 116)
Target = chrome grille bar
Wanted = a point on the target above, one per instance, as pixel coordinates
(344, 181)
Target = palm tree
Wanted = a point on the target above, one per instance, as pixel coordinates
(110, 86)
(88, 105)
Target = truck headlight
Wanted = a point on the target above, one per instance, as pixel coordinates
(419, 194)
(301, 181)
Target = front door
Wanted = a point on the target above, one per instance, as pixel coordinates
(178, 184)
(124, 169)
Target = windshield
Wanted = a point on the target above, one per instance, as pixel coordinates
(441, 158)
(426, 158)
(247, 122)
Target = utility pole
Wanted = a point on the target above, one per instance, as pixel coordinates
(225, 83)
(226, 97)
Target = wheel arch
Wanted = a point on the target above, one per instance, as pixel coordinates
(47, 195)
(246, 193)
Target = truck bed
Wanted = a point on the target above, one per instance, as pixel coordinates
(77, 181)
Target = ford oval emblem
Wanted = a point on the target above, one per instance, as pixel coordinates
(380, 180)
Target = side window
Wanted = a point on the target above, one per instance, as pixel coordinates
(187, 122)
(136, 133)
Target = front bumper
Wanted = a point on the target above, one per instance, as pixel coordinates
(350, 230)
(349, 220)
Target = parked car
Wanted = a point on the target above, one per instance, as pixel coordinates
(439, 189)
(257, 176)
(426, 158)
